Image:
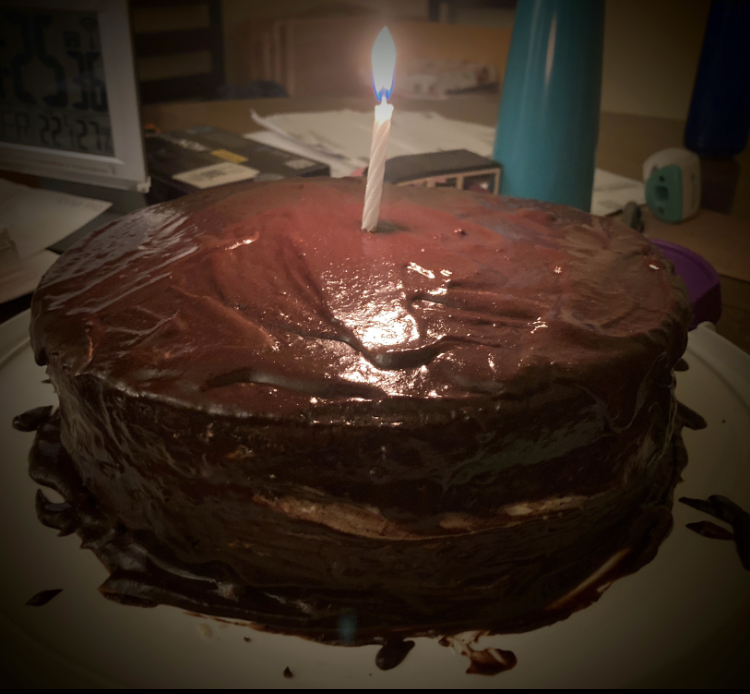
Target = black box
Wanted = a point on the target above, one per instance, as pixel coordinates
(183, 161)
(456, 168)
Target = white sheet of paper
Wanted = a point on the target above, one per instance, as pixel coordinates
(37, 218)
(344, 137)
(216, 174)
(339, 167)
(612, 192)
(24, 281)
(347, 134)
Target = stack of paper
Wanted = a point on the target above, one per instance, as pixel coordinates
(341, 139)
(31, 220)
(612, 192)
(344, 136)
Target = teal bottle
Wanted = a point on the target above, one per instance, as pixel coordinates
(548, 125)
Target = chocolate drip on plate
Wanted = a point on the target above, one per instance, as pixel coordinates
(393, 653)
(43, 597)
(32, 419)
(690, 418)
(710, 530)
(491, 661)
(61, 516)
(487, 661)
(726, 510)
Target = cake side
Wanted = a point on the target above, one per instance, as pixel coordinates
(136, 454)
(516, 575)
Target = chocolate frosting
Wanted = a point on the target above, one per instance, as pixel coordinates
(471, 408)
(269, 300)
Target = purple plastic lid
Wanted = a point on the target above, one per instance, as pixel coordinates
(701, 280)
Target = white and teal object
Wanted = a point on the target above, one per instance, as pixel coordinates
(673, 184)
(548, 125)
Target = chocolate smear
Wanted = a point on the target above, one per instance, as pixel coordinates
(491, 661)
(393, 653)
(288, 673)
(246, 639)
(31, 420)
(61, 516)
(690, 419)
(43, 597)
(726, 510)
(710, 530)
(700, 505)
(487, 661)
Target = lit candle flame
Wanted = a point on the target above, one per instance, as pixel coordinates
(383, 64)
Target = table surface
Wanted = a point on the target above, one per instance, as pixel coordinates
(625, 141)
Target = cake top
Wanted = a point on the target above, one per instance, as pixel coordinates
(269, 300)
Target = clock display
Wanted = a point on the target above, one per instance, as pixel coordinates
(52, 88)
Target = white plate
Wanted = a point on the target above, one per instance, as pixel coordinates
(682, 620)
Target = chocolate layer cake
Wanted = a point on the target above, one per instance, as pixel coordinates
(464, 421)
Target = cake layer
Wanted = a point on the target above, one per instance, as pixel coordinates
(176, 468)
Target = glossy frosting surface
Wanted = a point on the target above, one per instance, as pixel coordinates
(268, 299)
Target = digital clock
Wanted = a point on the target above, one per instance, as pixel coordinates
(68, 100)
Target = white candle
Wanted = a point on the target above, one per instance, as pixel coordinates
(383, 66)
(376, 170)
